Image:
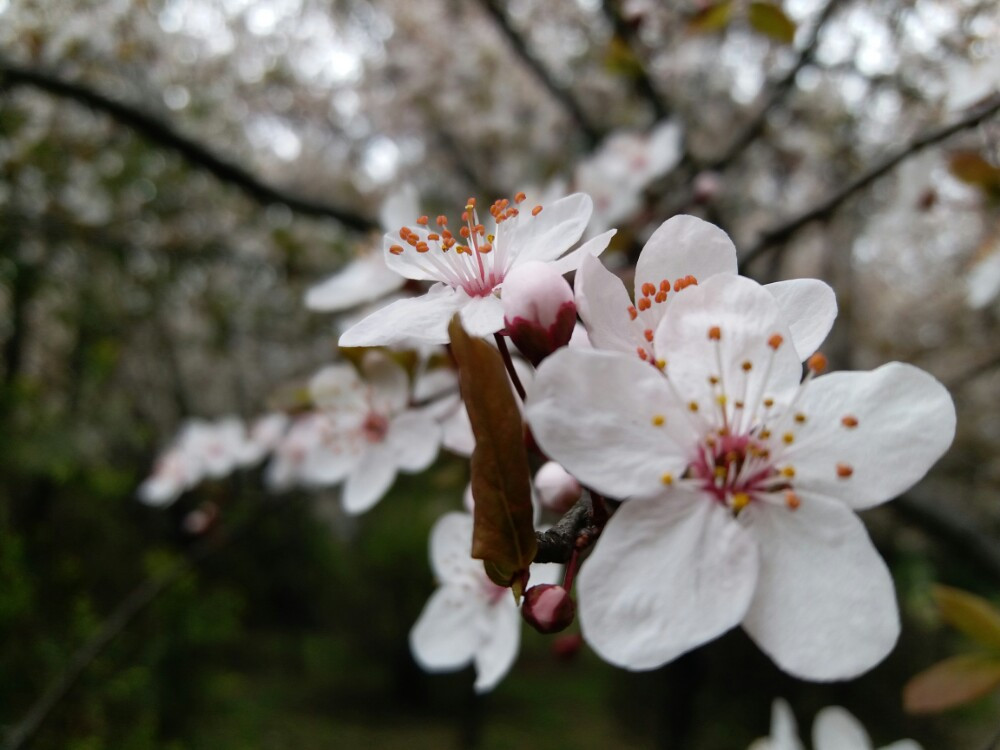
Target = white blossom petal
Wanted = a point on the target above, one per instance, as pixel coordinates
(594, 413)
(418, 320)
(553, 231)
(668, 574)
(445, 636)
(362, 280)
(409, 264)
(370, 479)
(836, 729)
(904, 421)
(809, 307)
(824, 608)
(451, 550)
(388, 382)
(500, 642)
(415, 439)
(685, 246)
(589, 249)
(603, 303)
(481, 316)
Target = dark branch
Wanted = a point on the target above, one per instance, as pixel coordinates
(163, 134)
(779, 91)
(565, 98)
(575, 529)
(643, 83)
(826, 207)
(963, 379)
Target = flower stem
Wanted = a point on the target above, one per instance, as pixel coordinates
(509, 364)
(571, 566)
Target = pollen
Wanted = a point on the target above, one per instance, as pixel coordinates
(659, 420)
(396, 249)
(667, 478)
(715, 333)
(844, 470)
(788, 438)
(713, 379)
(536, 210)
(740, 501)
(768, 403)
(792, 500)
(776, 341)
(849, 422)
(817, 363)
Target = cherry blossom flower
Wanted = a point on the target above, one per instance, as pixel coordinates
(369, 433)
(683, 252)
(740, 484)
(367, 278)
(468, 619)
(470, 269)
(263, 436)
(299, 455)
(174, 473)
(834, 729)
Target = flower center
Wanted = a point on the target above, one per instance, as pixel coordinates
(476, 261)
(375, 427)
(735, 469)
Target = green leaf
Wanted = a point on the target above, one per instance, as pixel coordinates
(503, 534)
(712, 17)
(951, 683)
(770, 20)
(973, 615)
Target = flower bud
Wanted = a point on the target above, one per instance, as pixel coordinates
(539, 311)
(556, 488)
(566, 647)
(548, 608)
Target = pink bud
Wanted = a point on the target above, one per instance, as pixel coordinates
(548, 608)
(539, 310)
(556, 488)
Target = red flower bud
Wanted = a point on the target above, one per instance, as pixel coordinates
(548, 608)
(539, 311)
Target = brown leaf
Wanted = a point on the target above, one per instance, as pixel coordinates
(503, 530)
(973, 169)
(971, 614)
(712, 17)
(769, 19)
(951, 683)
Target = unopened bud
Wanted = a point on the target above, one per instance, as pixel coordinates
(539, 311)
(548, 608)
(566, 647)
(557, 488)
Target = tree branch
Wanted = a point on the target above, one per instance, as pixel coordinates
(779, 91)
(163, 134)
(827, 206)
(565, 98)
(643, 83)
(574, 529)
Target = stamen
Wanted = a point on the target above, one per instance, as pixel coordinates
(667, 478)
(519, 197)
(632, 312)
(800, 417)
(817, 363)
(775, 341)
(844, 470)
(648, 290)
(849, 422)
(661, 364)
(740, 501)
(715, 333)
(644, 304)
(792, 500)
(658, 420)
(422, 221)
(788, 438)
(396, 249)
(536, 210)
(648, 333)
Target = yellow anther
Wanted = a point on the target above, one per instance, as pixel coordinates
(721, 399)
(747, 365)
(693, 406)
(667, 478)
(658, 420)
(768, 403)
(740, 501)
(788, 471)
(661, 364)
(800, 417)
(765, 434)
(720, 472)
(788, 438)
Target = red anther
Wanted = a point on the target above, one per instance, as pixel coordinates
(775, 341)
(632, 312)
(677, 285)
(643, 355)
(817, 363)
(519, 197)
(644, 303)
(844, 470)
(648, 333)
(849, 421)
(442, 220)
(660, 297)
(536, 210)
(396, 249)
(715, 333)
(422, 247)
(422, 221)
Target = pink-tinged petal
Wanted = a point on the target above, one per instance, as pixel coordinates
(589, 249)
(409, 263)
(685, 246)
(338, 388)
(596, 413)
(825, 608)
(553, 231)
(809, 307)
(668, 574)
(835, 729)
(869, 436)
(603, 303)
(445, 636)
(451, 552)
(370, 479)
(746, 317)
(360, 281)
(389, 383)
(415, 439)
(497, 652)
(417, 320)
(481, 316)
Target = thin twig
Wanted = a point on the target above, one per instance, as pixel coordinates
(963, 379)
(779, 91)
(508, 362)
(561, 94)
(781, 233)
(558, 543)
(643, 83)
(163, 134)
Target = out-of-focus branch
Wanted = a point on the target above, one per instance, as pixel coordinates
(963, 379)
(163, 134)
(561, 94)
(643, 83)
(783, 232)
(558, 543)
(752, 130)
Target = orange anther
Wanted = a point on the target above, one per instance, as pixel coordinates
(768, 403)
(632, 312)
(465, 216)
(433, 236)
(404, 233)
(660, 297)
(422, 247)
(792, 500)
(480, 229)
(412, 240)
(800, 417)
(648, 333)
(849, 422)
(422, 221)
(713, 379)
(464, 231)
(693, 406)
(648, 290)
(519, 197)
(644, 303)
(536, 210)
(442, 220)
(817, 363)
(775, 341)
(677, 285)
(642, 353)
(485, 248)
(664, 286)
(396, 249)
(844, 470)
(449, 242)
(747, 365)
(715, 333)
